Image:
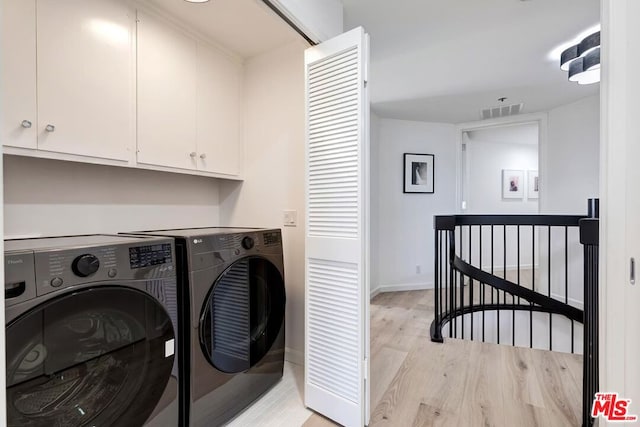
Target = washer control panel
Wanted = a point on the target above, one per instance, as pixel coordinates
(37, 267)
(19, 277)
(149, 255)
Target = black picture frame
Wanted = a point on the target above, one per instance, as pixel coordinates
(419, 173)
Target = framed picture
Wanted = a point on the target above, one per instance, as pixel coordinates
(418, 173)
(512, 184)
(533, 185)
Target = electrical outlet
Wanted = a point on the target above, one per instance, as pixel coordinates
(290, 218)
(418, 269)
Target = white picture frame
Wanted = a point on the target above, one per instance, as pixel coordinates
(533, 184)
(512, 184)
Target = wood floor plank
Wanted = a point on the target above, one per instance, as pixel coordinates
(384, 367)
(317, 420)
(461, 383)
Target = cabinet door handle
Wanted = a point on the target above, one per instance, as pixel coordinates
(50, 128)
(193, 154)
(632, 271)
(203, 156)
(26, 124)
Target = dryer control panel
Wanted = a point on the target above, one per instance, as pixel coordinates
(36, 267)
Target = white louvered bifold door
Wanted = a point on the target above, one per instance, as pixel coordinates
(337, 278)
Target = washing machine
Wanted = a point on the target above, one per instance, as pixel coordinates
(234, 322)
(91, 331)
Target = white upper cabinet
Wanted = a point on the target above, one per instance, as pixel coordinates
(189, 101)
(167, 73)
(86, 77)
(219, 103)
(101, 82)
(18, 74)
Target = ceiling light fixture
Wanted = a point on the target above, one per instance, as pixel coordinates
(589, 43)
(196, 1)
(567, 56)
(586, 70)
(582, 60)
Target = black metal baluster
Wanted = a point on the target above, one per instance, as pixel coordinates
(504, 262)
(549, 288)
(482, 285)
(437, 282)
(456, 276)
(566, 279)
(533, 282)
(518, 279)
(471, 303)
(452, 291)
(497, 290)
(461, 287)
(443, 297)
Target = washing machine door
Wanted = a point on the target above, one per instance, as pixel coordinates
(243, 314)
(95, 357)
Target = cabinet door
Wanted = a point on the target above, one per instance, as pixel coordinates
(18, 73)
(166, 95)
(86, 77)
(219, 95)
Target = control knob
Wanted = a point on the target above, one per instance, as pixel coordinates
(85, 265)
(248, 243)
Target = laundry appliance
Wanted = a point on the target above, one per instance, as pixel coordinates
(233, 318)
(91, 331)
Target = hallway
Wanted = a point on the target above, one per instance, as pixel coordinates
(461, 383)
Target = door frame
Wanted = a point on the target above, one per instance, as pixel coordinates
(614, 135)
(540, 118)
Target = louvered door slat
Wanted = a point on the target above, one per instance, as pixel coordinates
(345, 95)
(336, 230)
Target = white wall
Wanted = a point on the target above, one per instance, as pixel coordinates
(488, 152)
(50, 197)
(571, 157)
(405, 236)
(274, 169)
(486, 157)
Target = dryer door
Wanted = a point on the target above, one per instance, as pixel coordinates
(95, 357)
(242, 315)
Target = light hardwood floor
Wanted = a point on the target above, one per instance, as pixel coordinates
(460, 383)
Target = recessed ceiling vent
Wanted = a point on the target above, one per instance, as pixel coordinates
(501, 111)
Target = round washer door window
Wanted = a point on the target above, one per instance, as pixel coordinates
(95, 357)
(243, 315)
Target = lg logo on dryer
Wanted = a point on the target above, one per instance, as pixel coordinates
(196, 241)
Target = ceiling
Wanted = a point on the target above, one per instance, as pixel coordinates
(246, 27)
(445, 60)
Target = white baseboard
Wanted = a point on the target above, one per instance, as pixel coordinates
(294, 356)
(399, 287)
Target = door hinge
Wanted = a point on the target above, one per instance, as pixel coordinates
(365, 367)
(365, 83)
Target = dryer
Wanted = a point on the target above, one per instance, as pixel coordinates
(233, 279)
(91, 331)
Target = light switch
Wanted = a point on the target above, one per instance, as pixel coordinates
(290, 218)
